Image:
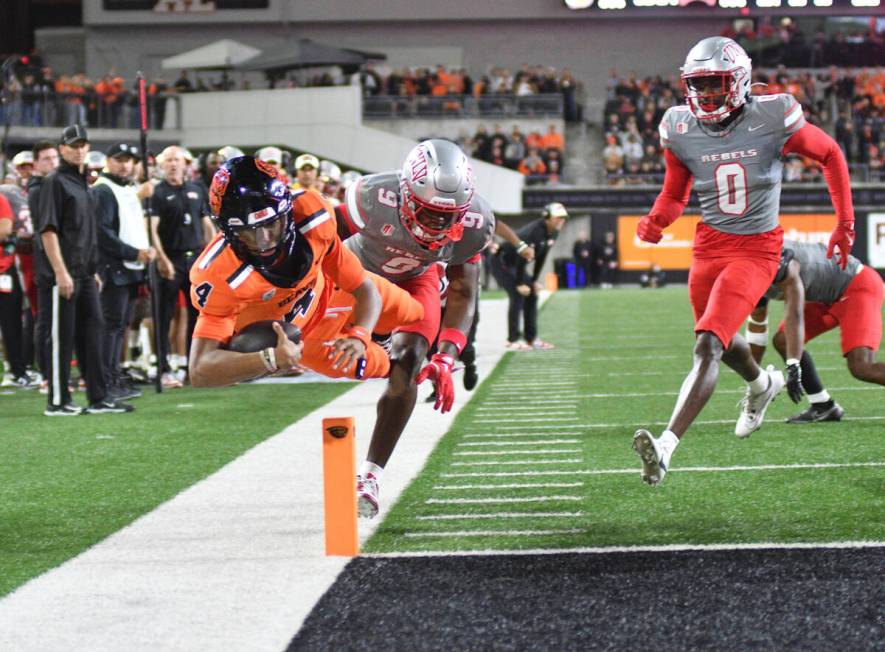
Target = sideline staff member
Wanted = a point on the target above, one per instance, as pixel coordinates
(67, 283)
(523, 286)
(123, 253)
(180, 226)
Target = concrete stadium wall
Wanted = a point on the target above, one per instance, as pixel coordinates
(324, 121)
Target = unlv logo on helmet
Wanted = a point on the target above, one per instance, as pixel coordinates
(730, 53)
(216, 190)
(419, 166)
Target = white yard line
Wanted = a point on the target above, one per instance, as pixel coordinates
(544, 419)
(489, 533)
(495, 515)
(531, 410)
(675, 547)
(573, 460)
(531, 451)
(235, 561)
(524, 485)
(502, 501)
(686, 469)
(521, 434)
(520, 443)
(558, 403)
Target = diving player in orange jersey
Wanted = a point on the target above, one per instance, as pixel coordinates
(278, 257)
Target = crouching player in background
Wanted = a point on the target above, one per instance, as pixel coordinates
(278, 257)
(850, 299)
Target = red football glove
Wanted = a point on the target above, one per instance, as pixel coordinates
(439, 371)
(649, 231)
(843, 238)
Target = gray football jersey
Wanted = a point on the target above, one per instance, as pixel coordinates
(18, 200)
(385, 247)
(822, 277)
(737, 175)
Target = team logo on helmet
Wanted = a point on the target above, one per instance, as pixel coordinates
(216, 190)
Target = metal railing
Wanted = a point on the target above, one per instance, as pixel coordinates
(463, 106)
(51, 109)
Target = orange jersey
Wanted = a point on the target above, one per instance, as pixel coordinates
(231, 294)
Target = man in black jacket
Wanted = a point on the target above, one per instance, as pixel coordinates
(522, 285)
(66, 265)
(181, 224)
(124, 251)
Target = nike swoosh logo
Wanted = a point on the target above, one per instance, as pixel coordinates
(756, 127)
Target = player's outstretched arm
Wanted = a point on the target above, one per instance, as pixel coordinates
(212, 366)
(816, 144)
(524, 249)
(460, 305)
(670, 202)
(348, 350)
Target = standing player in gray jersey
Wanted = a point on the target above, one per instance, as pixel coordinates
(732, 146)
(422, 228)
(849, 298)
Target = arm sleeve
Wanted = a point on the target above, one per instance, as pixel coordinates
(346, 225)
(47, 206)
(108, 240)
(342, 266)
(674, 195)
(6, 212)
(814, 143)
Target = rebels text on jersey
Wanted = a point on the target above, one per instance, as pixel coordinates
(371, 212)
(737, 174)
(231, 294)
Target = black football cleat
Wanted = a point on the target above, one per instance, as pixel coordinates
(471, 377)
(830, 411)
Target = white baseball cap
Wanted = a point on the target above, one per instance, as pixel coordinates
(307, 159)
(24, 157)
(270, 154)
(555, 209)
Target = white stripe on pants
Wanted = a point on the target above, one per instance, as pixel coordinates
(56, 349)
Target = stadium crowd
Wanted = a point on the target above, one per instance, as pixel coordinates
(849, 104)
(537, 156)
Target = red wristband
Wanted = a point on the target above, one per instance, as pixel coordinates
(359, 333)
(454, 336)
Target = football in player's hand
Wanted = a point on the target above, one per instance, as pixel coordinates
(260, 335)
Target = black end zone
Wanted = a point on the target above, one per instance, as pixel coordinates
(809, 599)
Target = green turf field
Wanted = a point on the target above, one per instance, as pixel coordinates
(67, 483)
(541, 456)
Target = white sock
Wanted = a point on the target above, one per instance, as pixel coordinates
(821, 397)
(668, 442)
(760, 384)
(367, 467)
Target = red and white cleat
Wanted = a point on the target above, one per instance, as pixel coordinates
(367, 491)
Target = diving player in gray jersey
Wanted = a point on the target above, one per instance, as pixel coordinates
(849, 298)
(731, 145)
(422, 228)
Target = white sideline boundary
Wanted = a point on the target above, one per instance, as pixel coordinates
(235, 561)
(674, 547)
